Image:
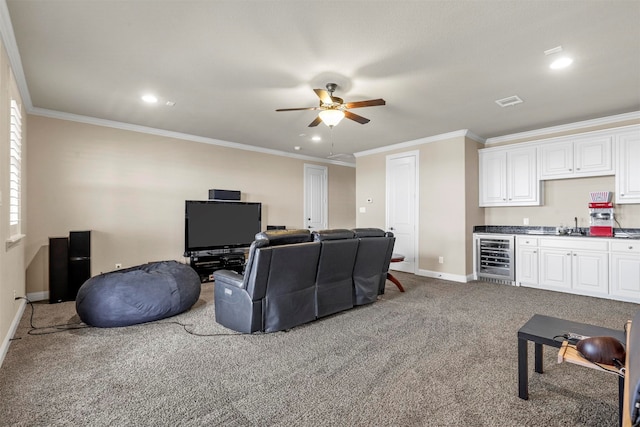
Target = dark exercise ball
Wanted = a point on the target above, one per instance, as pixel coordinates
(601, 350)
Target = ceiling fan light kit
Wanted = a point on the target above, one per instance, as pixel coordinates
(331, 117)
(334, 109)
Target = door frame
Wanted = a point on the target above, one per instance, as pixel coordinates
(416, 217)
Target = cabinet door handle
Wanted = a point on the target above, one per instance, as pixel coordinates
(569, 254)
(630, 247)
(535, 252)
(570, 169)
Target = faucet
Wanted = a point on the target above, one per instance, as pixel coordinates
(576, 230)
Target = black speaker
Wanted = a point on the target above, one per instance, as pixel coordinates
(58, 268)
(80, 244)
(232, 195)
(79, 261)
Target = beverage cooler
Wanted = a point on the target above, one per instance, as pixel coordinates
(494, 257)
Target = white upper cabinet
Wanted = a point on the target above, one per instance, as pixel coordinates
(628, 166)
(509, 177)
(578, 157)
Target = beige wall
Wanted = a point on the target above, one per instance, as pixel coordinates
(448, 182)
(475, 214)
(12, 274)
(129, 188)
(564, 199)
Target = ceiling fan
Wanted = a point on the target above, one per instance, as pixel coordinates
(333, 109)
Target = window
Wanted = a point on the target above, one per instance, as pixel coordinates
(15, 168)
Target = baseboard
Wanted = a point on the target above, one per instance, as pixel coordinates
(12, 330)
(38, 296)
(443, 276)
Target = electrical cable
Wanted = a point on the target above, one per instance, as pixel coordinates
(58, 328)
(185, 325)
(81, 325)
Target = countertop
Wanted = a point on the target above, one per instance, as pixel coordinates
(619, 233)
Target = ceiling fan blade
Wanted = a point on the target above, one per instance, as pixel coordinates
(323, 95)
(316, 122)
(298, 109)
(356, 118)
(369, 103)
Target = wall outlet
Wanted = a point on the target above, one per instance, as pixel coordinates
(441, 260)
(525, 221)
(118, 266)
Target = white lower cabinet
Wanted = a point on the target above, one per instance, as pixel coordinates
(590, 271)
(527, 261)
(555, 269)
(625, 270)
(567, 264)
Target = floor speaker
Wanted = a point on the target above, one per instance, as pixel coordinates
(58, 268)
(79, 261)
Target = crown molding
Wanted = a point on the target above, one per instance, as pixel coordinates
(466, 133)
(11, 47)
(565, 128)
(176, 135)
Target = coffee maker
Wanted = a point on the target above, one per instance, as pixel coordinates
(601, 218)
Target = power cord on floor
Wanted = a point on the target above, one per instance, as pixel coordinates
(185, 325)
(54, 329)
(46, 330)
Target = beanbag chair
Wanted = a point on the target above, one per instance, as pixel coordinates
(138, 294)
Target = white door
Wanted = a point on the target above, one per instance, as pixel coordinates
(315, 197)
(402, 219)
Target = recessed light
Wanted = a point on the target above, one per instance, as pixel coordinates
(150, 99)
(169, 103)
(316, 138)
(297, 148)
(559, 63)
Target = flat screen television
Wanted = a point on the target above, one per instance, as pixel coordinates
(211, 225)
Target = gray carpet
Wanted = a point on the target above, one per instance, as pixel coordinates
(440, 354)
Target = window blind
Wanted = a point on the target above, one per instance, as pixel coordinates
(15, 167)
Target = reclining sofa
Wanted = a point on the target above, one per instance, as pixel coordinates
(293, 277)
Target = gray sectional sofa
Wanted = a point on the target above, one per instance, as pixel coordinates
(293, 277)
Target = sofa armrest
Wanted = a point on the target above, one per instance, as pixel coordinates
(228, 277)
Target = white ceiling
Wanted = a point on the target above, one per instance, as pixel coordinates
(228, 65)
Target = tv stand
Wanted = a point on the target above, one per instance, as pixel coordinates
(206, 262)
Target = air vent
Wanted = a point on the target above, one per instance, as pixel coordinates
(556, 49)
(509, 101)
(342, 157)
